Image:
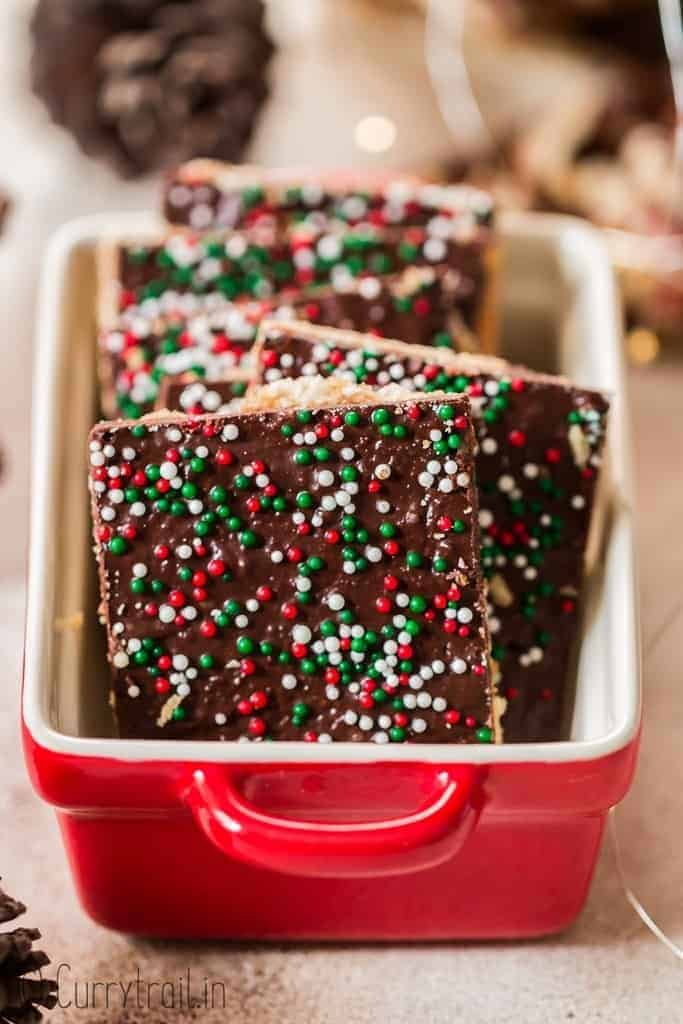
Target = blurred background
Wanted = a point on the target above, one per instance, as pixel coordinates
(556, 105)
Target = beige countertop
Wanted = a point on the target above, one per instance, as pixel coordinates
(607, 969)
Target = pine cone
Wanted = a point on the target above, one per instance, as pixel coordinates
(20, 996)
(149, 83)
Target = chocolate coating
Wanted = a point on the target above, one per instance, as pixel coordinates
(200, 198)
(540, 443)
(299, 581)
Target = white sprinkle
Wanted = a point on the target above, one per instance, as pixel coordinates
(120, 659)
(336, 602)
(219, 718)
(459, 666)
(439, 704)
(289, 682)
(168, 470)
(166, 613)
(301, 634)
(464, 615)
(418, 725)
(383, 472)
(133, 691)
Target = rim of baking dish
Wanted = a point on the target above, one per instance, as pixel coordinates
(586, 264)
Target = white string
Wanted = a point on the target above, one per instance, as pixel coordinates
(631, 897)
(445, 58)
(671, 17)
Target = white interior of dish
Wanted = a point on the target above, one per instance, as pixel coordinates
(559, 313)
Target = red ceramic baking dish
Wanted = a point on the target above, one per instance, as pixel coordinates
(302, 841)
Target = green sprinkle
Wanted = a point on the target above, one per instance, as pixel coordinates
(248, 539)
(118, 546)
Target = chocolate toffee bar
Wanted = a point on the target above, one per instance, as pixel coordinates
(306, 570)
(246, 266)
(207, 340)
(207, 195)
(137, 355)
(540, 441)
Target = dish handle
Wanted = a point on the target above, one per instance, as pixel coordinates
(421, 839)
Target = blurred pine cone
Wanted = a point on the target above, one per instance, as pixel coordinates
(150, 83)
(630, 26)
(20, 996)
